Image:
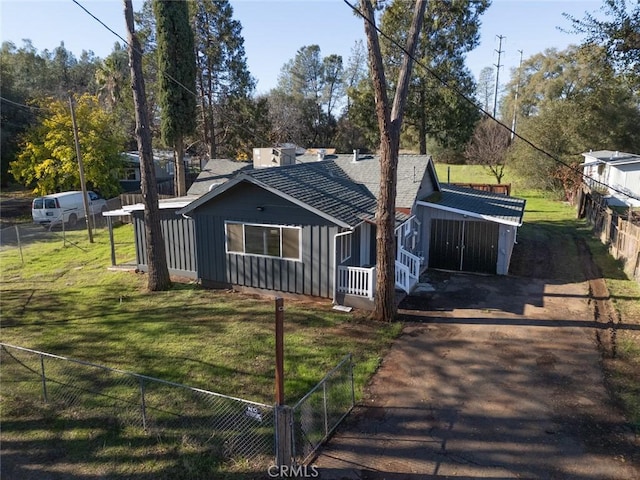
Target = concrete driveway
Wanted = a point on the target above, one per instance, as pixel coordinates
(493, 377)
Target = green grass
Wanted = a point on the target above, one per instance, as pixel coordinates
(64, 301)
(466, 174)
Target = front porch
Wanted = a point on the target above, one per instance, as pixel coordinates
(356, 286)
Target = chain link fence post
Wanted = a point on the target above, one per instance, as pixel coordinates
(44, 380)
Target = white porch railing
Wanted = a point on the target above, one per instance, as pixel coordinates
(407, 270)
(359, 281)
(411, 261)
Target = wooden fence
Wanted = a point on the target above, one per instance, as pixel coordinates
(502, 188)
(617, 231)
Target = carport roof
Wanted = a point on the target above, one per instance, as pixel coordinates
(489, 206)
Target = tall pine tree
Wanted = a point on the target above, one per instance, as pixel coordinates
(224, 82)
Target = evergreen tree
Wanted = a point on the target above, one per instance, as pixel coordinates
(176, 80)
(312, 85)
(223, 79)
(570, 102)
(449, 31)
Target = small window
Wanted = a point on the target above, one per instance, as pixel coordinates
(263, 240)
(345, 248)
(38, 203)
(50, 203)
(235, 240)
(291, 242)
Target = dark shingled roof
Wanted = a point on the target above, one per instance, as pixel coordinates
(366, 170)
(479, 204)
(321, 187)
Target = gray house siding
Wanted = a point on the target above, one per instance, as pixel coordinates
(179, 242)
(312, 275)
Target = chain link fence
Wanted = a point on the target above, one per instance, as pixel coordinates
(229, 427)
(321, 410)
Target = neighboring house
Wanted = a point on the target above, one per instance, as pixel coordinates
(309, 228)
(130, 181)
(615, 173)
(216, 172)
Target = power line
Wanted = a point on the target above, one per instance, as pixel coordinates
(43, 114)
(171, 78)
(458, 92)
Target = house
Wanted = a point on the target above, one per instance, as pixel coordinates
(130, 181)
(309, 228)
(616, 173)
(304, 229)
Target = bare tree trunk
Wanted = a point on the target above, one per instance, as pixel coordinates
(213, 151)
(423, 120)
(156, 255)
(180, 179)
(389, 123)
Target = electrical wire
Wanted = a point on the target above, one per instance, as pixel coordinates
(42, 113)
(462, 95)
(171, 78)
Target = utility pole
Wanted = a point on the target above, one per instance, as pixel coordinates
(83, 184)
(495, 96)
(515, 100)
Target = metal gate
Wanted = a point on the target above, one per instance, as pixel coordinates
(464, 245)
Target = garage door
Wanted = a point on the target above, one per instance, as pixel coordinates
(464, 245)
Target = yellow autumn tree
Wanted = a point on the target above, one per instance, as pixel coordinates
(47, 158)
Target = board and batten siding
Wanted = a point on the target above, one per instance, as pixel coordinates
(312, 275)
(179, 242)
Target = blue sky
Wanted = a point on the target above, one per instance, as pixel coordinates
(275, 29)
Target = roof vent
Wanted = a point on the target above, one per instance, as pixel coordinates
(356, 154)
(321, 154)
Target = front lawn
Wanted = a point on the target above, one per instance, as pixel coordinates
(64, 301)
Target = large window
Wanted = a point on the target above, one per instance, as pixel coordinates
(263, 240)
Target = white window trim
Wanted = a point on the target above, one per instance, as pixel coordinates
(265, 225)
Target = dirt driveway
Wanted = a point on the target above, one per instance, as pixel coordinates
(493, 377)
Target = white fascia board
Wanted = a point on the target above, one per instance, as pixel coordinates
(469, 214)
(116, 213)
